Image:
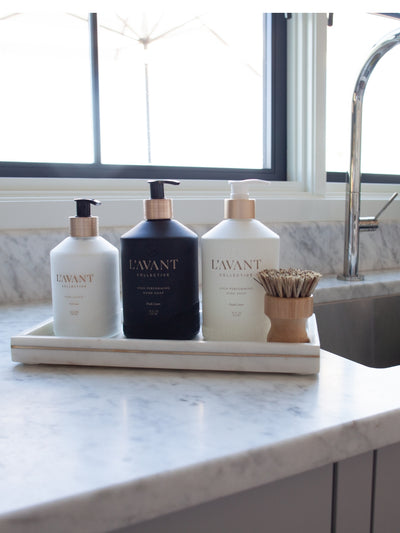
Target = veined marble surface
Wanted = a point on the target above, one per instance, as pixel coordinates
(375, 283)
(91, 449)
(25, 265)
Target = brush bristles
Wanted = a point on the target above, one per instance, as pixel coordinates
(288, 282)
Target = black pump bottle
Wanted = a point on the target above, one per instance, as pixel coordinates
(159, 267)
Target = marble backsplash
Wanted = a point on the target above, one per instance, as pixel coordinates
(25, 264)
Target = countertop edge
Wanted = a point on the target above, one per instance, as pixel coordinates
(111, 507)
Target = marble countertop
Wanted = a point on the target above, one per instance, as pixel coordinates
(92, 449)
(375, 283)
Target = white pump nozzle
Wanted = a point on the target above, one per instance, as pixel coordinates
(240, 188)
(239, 205)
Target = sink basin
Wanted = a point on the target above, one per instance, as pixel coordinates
(365, 330)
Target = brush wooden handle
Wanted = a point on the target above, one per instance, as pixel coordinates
(288, 318)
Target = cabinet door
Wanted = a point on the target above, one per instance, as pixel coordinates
(353, 494)
(300, 503)
(387, 489)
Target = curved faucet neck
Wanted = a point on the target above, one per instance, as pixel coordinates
(353, 186)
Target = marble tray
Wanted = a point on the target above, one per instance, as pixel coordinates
(40, 346)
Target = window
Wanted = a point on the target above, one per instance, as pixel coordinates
(45, 103)
(352, 36)
(186, 95)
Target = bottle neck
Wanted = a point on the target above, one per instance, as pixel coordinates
(84, 226)
(239, 208)
(157, 209)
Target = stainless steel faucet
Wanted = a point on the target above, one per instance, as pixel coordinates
(353, 222)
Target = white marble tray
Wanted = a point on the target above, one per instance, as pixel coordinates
(40, 346)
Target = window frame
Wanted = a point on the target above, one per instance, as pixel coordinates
(342, 177)
(305, 197)
(274, 43)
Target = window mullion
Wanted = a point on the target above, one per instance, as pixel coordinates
(94, 62)
(267, 91)
(274, 94)
(306, 100)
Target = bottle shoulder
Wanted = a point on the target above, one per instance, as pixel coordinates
(240, 229)
(159, 229)
(84, 246)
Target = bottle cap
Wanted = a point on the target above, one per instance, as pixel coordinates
(240, 205)
(83, 224)
(158, 207)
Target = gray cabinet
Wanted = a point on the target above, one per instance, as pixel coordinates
(386, 516)
(301, 503)
(353, 482)
(345, 497)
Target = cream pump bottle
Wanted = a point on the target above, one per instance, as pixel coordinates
(232, 253)
(85, 279)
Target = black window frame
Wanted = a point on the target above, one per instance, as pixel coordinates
(342, 177)
(277, 172)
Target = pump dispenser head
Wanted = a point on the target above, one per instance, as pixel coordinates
(158, 207)
(83, 224)
(240, 205)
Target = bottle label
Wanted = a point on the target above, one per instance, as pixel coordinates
(85, 294)
(236, 268)
(232, 298)
(72, 286)
(78, 281)
(234, 282)
(160, 286)
(151, 268)
(154, 281)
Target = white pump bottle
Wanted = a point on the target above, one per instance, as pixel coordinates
(85, 280)
(232, 253)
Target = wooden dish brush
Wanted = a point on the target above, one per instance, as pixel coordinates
(288, 302)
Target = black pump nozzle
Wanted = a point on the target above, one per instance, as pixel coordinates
(83, 206)
(157, 188)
